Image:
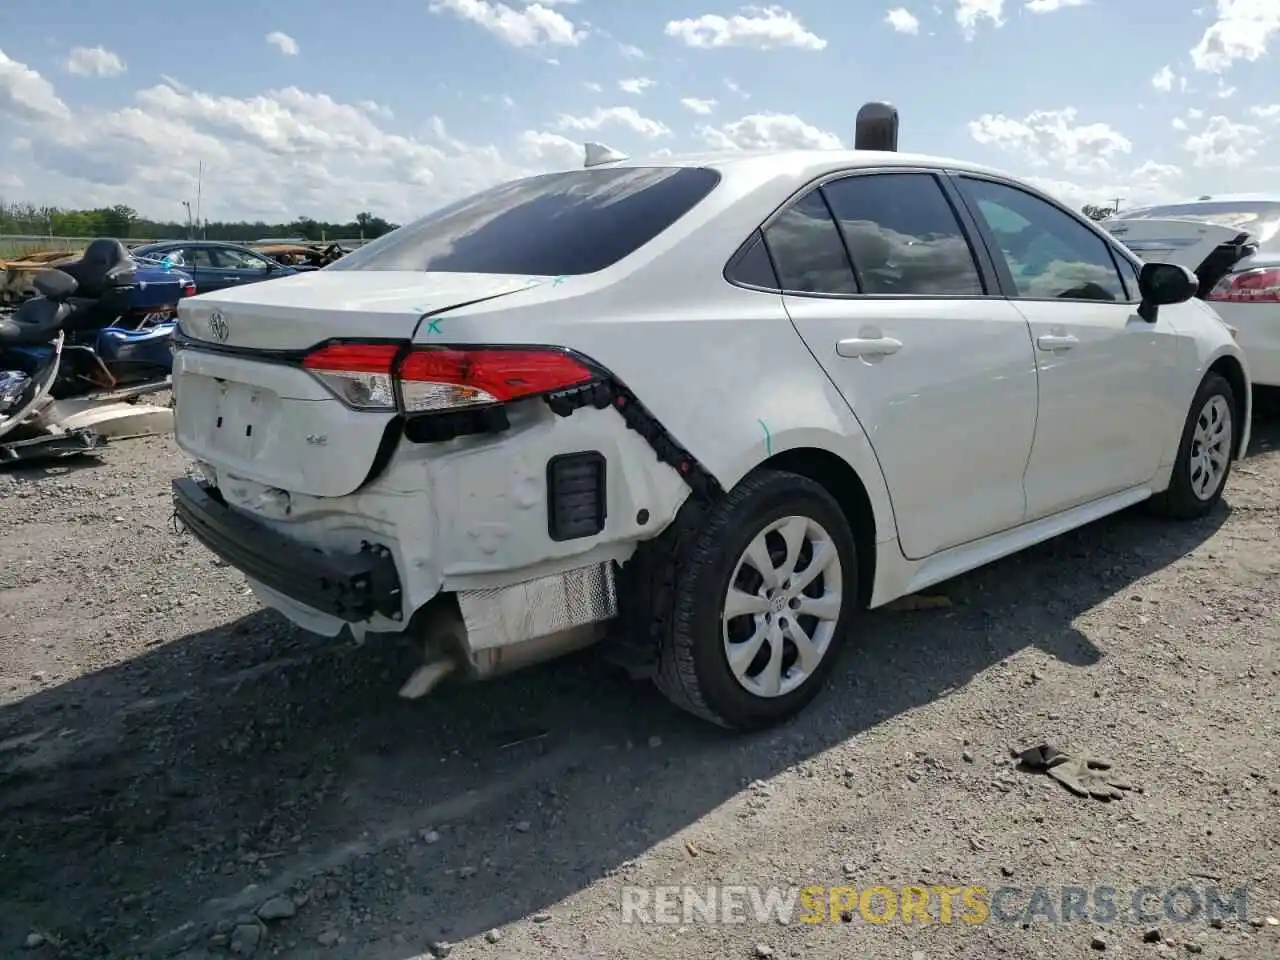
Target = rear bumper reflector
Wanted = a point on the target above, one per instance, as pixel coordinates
(577, 499)
(352, 587)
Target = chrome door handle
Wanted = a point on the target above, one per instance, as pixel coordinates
(1053, 342)
(867, 347)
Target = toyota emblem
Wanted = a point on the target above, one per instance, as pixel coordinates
(218, 326)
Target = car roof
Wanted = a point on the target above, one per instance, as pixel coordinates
(1249, 198)
(196, 243)
(804, 164)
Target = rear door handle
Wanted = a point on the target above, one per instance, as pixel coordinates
(867, 347)
(1054, 342)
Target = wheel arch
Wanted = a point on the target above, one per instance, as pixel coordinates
(1232, 370)
(842, 481)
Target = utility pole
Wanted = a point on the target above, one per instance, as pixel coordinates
(1116, 201)
(191, 234)
(199, 188)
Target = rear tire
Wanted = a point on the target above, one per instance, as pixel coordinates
(786, 624)
(1205, 453)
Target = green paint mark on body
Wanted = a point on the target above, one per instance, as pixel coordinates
(768, 438)
(433, 325)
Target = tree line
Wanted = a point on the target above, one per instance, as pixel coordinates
(125, 223)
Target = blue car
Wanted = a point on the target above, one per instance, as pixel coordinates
(213, 264)
(158, 289)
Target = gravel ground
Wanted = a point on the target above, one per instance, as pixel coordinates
(173, 760)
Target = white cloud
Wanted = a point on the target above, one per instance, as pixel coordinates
(1163, 79)
(1053, 138)
(25, 95)
(969, 12)
(763, 28)
(94, 62)
(283, 42)
(769, 131)
(550, 149)
(902, 20)
(1195, 113)
(734, 88)
(698, 105)
(1179, 124)
(369, 106)
(1151, 182)
(1243, 30)
(627, 117)
(636, 85)
(1270, 113)
(1050, 6)
(593, 86)
(631, 52)
(1223, 143)
(530, 26)
(276, 156)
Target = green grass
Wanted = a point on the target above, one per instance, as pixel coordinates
(14, 250)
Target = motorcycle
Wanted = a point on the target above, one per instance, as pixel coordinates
(71, 373)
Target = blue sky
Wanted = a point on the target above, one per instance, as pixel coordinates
(396, 106)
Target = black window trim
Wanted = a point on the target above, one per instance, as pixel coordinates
(1004, 277)
(988, 272)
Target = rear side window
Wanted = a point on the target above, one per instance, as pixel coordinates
(903, 236)
(753, 268)
(557, 224)
(808, 251)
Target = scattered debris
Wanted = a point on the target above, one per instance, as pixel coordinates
(541, 917)
(35, 940)
(1085, 776)
(277, 908)
(440, 949)
(1097, 943)
(245, 938)
(493, 936)
(763, 950)
(1152, 936)
(693, 850)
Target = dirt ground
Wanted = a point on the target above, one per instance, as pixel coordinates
(173, 759)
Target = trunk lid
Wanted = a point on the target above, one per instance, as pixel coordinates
(1208, 245)
(299, 311)
(271, 427)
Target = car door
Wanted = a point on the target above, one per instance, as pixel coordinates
(881, 281)
(1103, 370)
(238, 267)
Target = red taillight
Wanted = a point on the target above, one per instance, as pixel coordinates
(360, 374)
(366, 375)
(189, 290)
(444, 378)
(1250, 286)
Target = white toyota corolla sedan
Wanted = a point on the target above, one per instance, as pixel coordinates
(705, 408)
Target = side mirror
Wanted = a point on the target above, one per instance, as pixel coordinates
(1164, 283)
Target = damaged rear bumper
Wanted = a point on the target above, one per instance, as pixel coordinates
(352, 587)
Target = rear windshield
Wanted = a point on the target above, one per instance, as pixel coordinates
(1260, 219)
(557, 224)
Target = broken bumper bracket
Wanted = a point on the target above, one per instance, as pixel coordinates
(352, 587)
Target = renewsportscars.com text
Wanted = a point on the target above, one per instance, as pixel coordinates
(971, 904)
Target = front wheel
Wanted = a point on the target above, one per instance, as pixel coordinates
(1205, 453)
(764, 596)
